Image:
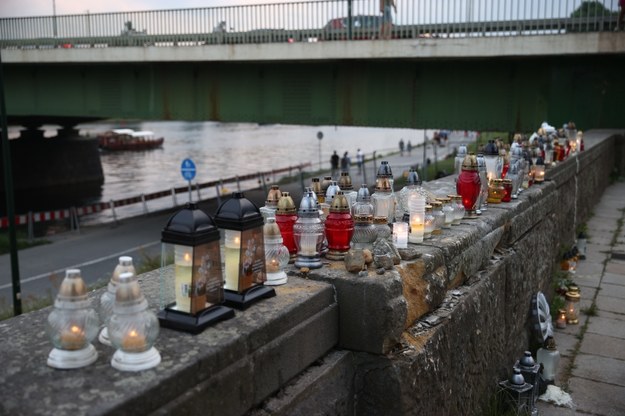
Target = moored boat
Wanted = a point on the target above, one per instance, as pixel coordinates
(128, 139)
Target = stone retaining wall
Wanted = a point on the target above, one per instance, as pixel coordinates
(431, 337)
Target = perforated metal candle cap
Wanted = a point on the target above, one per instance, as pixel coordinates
(470, 162)
(363, 194)
(238, 213)
(286, 204)
(190, 226)
(384, 171)
(339, 203)
(413, 177)
(128, 297)
(345, 182)
(308, 207)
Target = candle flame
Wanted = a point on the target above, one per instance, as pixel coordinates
(187, 257)
(237, 240)
(75, 329)
(133, 333)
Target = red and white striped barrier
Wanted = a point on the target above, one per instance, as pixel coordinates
(23, 219)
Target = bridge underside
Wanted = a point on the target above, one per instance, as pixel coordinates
(507, 94)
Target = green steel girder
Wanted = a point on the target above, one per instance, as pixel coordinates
(505, 94)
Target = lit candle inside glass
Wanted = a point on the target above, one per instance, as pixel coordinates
(133, 341)
(73, 338)
(183, 256)
(561, 320)
(417, 227)
(400, 234)
(232, 259)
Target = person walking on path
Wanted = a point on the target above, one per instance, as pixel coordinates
(360, 158)
(334, 162)
(401, 147)
(387, 18)
(345, 162)
(409, 148)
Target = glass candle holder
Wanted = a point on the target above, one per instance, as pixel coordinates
(383, 200)
(107, 300)
(468, 186)
(339, 227)
(276, 253)
(439, 217)
(365, 232)
(549, 357)
(507, 190)
(483, 174)
(271, 203)
(133, 328)
(539, 171)
(428, 223)
(561, 319)
(309, 234)
(416, 203)
(382, 228)
(448, 210)
(456, 201)
(400, 234)
(345, 184)
(572, 301)
(495, 192)
(72, 325)
(286, 216)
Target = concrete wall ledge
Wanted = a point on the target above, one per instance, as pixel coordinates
(225, 370)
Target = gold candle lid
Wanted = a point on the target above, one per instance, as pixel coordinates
(428, 208)
(363, 218)
(286, 204)
(273, 196)
(339, 203)
(380, 220)
(444, 200)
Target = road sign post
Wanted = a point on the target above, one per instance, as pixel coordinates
(187, 169)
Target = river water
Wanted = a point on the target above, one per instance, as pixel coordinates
(223, 150)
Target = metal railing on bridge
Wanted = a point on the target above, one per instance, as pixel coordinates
(309, 21)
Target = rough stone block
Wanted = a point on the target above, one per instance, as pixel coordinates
(373, 309)
(325, 388)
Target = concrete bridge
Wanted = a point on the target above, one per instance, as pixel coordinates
(490, 67)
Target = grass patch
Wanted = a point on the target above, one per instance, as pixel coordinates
(592, 310)
(22, 241)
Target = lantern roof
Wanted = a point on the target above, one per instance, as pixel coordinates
(238, 213)
(190, 226)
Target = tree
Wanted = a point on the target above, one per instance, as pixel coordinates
(592, 8)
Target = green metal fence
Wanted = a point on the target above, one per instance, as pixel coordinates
(309, 21)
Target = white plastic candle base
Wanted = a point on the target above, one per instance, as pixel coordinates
(275, 279)
(68, 359)
(104, 337)
(136, 361)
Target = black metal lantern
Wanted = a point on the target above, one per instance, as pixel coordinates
(244, 248)
(191, 284)
(517, 393)
(531, 373)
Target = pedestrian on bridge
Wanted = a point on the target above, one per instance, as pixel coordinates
(621, 15)
(387, 18)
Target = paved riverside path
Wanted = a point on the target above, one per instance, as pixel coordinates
(95, 250)
(594, 350)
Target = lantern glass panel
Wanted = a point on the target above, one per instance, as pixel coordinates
(244, 257)
(191, 278)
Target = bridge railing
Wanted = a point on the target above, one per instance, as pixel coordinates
(319, 20)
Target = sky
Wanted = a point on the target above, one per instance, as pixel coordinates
(25, 8)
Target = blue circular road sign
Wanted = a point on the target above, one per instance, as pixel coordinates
(187, 169)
